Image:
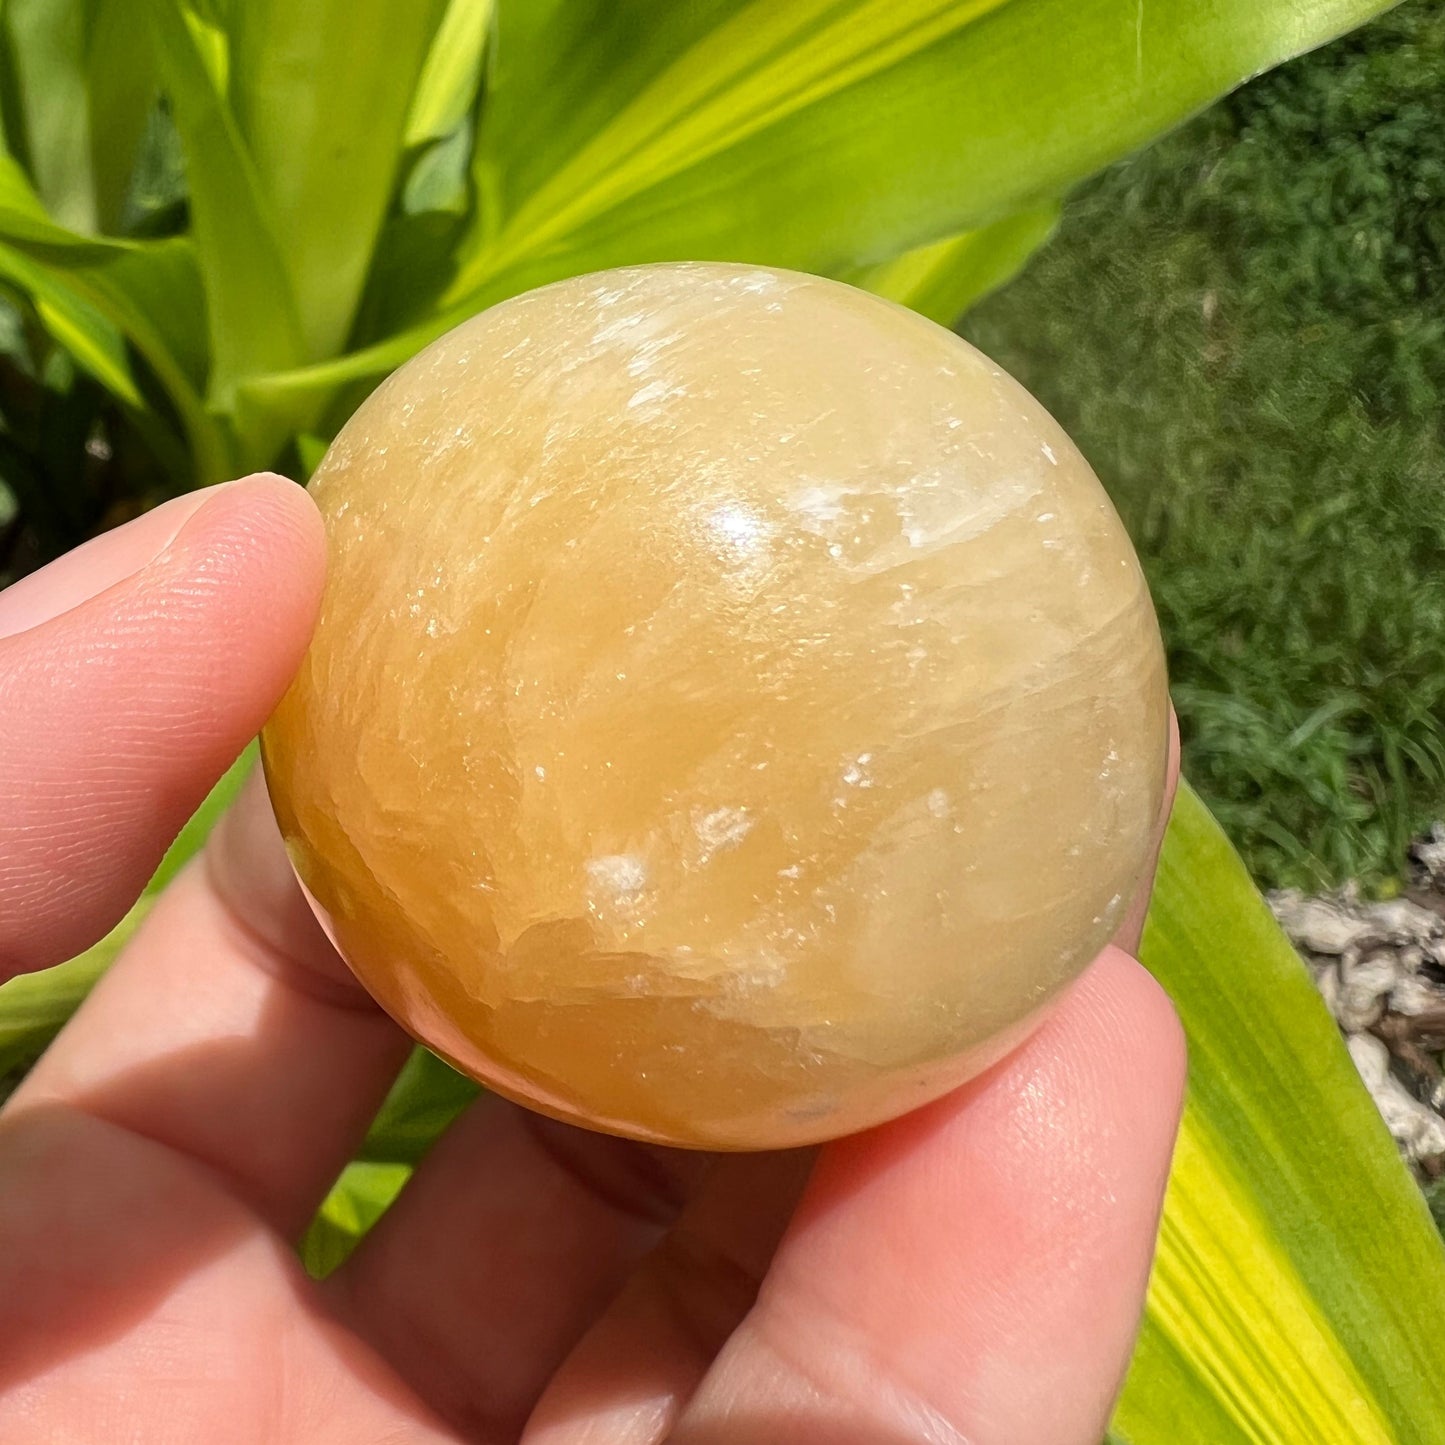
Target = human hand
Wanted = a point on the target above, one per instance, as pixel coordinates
(973, 1272)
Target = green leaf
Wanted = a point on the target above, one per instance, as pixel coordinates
(35, 1006)
(91, 295)
(310, 449)
(943, 280)
(121, 85)
(426, 1097)
(146, 291)
(80, 81)
(23, 218)
(1299, 1275)
(253, 319)
(437, 179)
(447, 90)
(155, 292)
(819, 134)
(751, 129)
(357, 1200)
(82, 329)
(321, 90)
(49, 123)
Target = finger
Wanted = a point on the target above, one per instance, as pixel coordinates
(512, 1237)
(976, 1270)
(638, 1364)
(1131, 930)
(230, 1032)
(132, 672)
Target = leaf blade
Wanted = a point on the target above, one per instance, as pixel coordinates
(253, 320)
(81, 328)
(120, 90)
(1285, 1176)
(47, 40)
(321, 93)
(890, 124)
(943, 280)
(447, 89)
(756, 136)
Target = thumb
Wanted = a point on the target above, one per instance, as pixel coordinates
(132, 672)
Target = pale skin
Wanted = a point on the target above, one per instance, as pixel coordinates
(971, 1273)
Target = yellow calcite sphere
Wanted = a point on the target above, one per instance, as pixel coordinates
(736, 707)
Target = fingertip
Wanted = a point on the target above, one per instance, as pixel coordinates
(274, 508)
(231, 603)
(259, 524)
(1126, 1009)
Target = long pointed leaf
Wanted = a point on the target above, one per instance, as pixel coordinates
(121, 84)
(753, 126)
(47, 44)
(77, 325)
(253, 319)
(943, 280)
(83, 81)
(23, 217)
(822, 134)
(93, 291)
(447, 89)
(321, 90)
(1299, 1275)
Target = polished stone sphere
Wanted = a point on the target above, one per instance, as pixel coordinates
(736, 708)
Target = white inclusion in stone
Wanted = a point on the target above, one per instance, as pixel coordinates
(1048, 451)
(720, 829)
(819, 509)
(653, 391)
(937, 803)
(647, 352)
(621, 875)
(856, 773)
(755, 281)
(934, 514)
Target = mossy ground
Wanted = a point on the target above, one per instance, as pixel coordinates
(1244, 329)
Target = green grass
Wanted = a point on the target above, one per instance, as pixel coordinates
(1244, 329)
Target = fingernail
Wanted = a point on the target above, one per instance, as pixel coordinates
(100, 563)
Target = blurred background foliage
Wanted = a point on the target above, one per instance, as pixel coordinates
(1244, 329)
